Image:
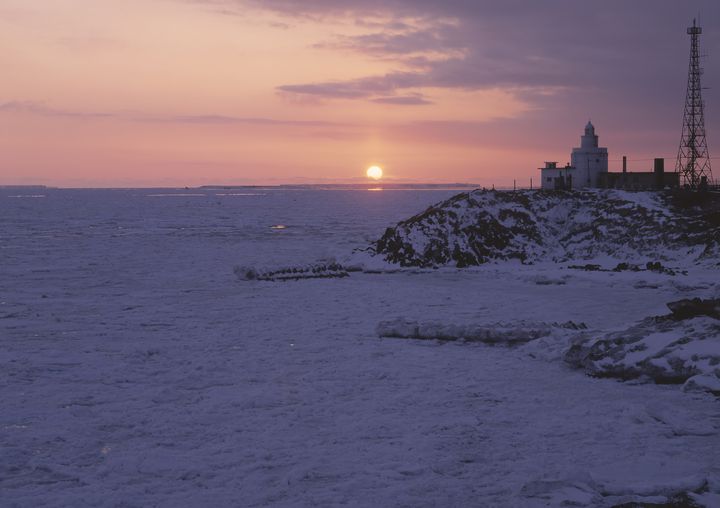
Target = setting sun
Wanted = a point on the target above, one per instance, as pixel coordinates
(374, 172)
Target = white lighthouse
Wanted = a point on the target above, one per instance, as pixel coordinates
(589, 160)
(586, 164)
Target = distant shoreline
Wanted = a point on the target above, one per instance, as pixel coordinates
(322, 186)
(342, 186)
(20, 186)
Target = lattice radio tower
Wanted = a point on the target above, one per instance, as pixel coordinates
(693, 160)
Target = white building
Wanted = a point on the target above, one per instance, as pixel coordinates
(554, 177)
(589, 160)
(586, 163)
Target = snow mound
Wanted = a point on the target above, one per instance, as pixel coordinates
(495, 333)
(480, 226)
(583, 490)
(703, 383)
(579, 490)
(667, 349)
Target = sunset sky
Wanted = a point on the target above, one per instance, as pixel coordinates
(192, 92)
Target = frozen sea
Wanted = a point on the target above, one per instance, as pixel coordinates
(137, 370)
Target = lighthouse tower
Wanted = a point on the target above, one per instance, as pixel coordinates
(589, 160)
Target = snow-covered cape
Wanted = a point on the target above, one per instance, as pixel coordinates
(480, 226)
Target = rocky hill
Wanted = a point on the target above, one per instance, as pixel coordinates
(682, 347)
(485, 225)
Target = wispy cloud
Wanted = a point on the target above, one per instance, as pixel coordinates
(40, 109)
(357, 88)
(229, 120)
(403, 100)
(615, 57)
(439, 38)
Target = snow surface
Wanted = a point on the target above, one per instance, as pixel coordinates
(138, 370)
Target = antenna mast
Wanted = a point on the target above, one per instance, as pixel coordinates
(693, 160)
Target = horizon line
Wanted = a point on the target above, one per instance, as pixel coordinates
(245, 186)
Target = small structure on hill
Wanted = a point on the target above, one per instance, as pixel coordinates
(641, 180)
(557, 178)
(589, 169)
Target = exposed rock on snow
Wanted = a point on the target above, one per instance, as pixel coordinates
(689, 308)
(507, 333)
(476, 227)
(650, 266)
(320, 271)
(667, 349)
(544, 280)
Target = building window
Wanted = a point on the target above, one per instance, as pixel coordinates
(549, 178)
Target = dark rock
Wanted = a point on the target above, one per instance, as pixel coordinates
(331, 271)
(690, 308)
(625, 267)
(587, 267)
(658, 267)
(681, 500)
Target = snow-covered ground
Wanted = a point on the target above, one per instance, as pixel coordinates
(138, 370)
